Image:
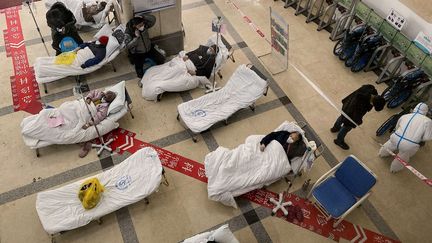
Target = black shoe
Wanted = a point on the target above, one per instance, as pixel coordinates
(334, 129)
(342, 144)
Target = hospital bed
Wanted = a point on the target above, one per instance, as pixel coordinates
(75, 6)
(226, 51)
(47, 71)
(132, 180)
(220, 235)
(232, 173)
(246, 85)
(36, 133)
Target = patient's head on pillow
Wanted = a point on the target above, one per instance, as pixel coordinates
(109, 96)
(294, 137)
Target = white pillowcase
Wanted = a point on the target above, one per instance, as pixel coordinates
(119, 102)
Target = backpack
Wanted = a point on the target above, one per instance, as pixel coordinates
(90, 193)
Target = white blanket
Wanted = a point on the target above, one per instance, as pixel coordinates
(75, 6)
(172, 76)
(47, 71)
(242, 90)
(36, 132)
(128, 182)
(234, 172)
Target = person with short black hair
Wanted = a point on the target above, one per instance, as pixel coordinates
(356, 105)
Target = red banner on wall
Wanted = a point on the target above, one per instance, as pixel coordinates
(25, 90)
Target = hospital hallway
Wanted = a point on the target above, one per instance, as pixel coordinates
(308, 91)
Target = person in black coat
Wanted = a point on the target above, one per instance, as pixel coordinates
(292, 143)
(356, 105)
(62, 23)
(203, 58)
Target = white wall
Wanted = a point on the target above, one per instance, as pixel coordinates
(414, 23)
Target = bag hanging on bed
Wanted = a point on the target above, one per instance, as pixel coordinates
(90, 193)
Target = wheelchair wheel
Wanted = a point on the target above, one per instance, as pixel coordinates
(399, 99)
(387, 93)
(359, 65)
(388, 125)
(350, 61)
(338, 48)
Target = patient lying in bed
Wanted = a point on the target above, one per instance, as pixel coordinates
(179, 74)
(101, 100)
(291, 142)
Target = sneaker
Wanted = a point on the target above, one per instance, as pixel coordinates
(334, 129)
(342, 144)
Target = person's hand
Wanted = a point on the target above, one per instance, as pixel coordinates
(185, 58)
(85, 126)
(88, 100)
(262, 147)
(137, 33)
(191, 72)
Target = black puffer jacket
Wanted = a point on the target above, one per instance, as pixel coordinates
(58, 16)
(142, 42)
(203, 62)
(357, 104)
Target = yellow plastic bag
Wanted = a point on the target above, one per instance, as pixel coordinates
(90, 193)
(66, 58)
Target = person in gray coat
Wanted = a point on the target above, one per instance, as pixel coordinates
(138, 41)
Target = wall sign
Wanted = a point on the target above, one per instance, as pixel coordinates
(396, 19)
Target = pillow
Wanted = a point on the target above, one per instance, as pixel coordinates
(118, 103)
(224, 235)
(105, 30)
(112, 45)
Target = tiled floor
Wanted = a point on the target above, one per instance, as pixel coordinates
(398, 208)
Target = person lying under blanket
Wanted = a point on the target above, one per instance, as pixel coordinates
(291, 142)
(203, 58)
(90, 11)
(101, 100)
(98, 48)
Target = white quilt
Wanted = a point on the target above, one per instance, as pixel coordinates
(234, 172)
(128, 182)
(172, 76)
(36, 133)
(75, 6)
(242, 90)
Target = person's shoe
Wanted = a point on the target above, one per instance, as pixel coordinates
(341, 144)
(334, 129)
(85, 150)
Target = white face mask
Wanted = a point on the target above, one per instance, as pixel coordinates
(103, 100)
(97, 42)
(141, 28)
(209, 52)
(290, 140)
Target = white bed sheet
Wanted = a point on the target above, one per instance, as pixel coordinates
(75, 6)
(234, 172)
(128, 182)
(242, 90)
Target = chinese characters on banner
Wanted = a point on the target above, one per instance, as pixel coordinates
(313, 221)
(25, 90)
(279, 36)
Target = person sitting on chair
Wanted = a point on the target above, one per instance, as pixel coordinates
(62, 23)
(98, 48)
(292, 143)
(204, 59)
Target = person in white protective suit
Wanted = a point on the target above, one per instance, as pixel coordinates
(412, 131)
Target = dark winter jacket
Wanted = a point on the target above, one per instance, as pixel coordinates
(58, 16)
(293, 150)
(203, 62)
(141, 43)
(98, 50)
(357, 104)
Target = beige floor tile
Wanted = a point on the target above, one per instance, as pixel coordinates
(245, 235)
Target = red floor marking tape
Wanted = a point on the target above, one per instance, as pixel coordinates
(25, 90)
(313, 220)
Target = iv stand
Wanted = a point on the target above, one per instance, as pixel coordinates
(218, 27)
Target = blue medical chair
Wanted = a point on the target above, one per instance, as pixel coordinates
(343, 188)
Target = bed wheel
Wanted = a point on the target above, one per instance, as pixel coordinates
(219, 74)
(139, 84)
(286, 179)
(305, 185)
(178, 117)
(146, 201)
(226, 122)
(99, 221)
(37, 153)
(194, 139)
(252, 107)
(45, 88)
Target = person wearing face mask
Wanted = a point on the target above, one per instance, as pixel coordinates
(292, 143)
(62, 23)
(98, 48)
(138, 42)
(203, 58)
(356, 105)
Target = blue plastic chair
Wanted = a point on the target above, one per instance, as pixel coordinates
(343, 188)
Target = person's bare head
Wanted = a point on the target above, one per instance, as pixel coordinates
(109, 96)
